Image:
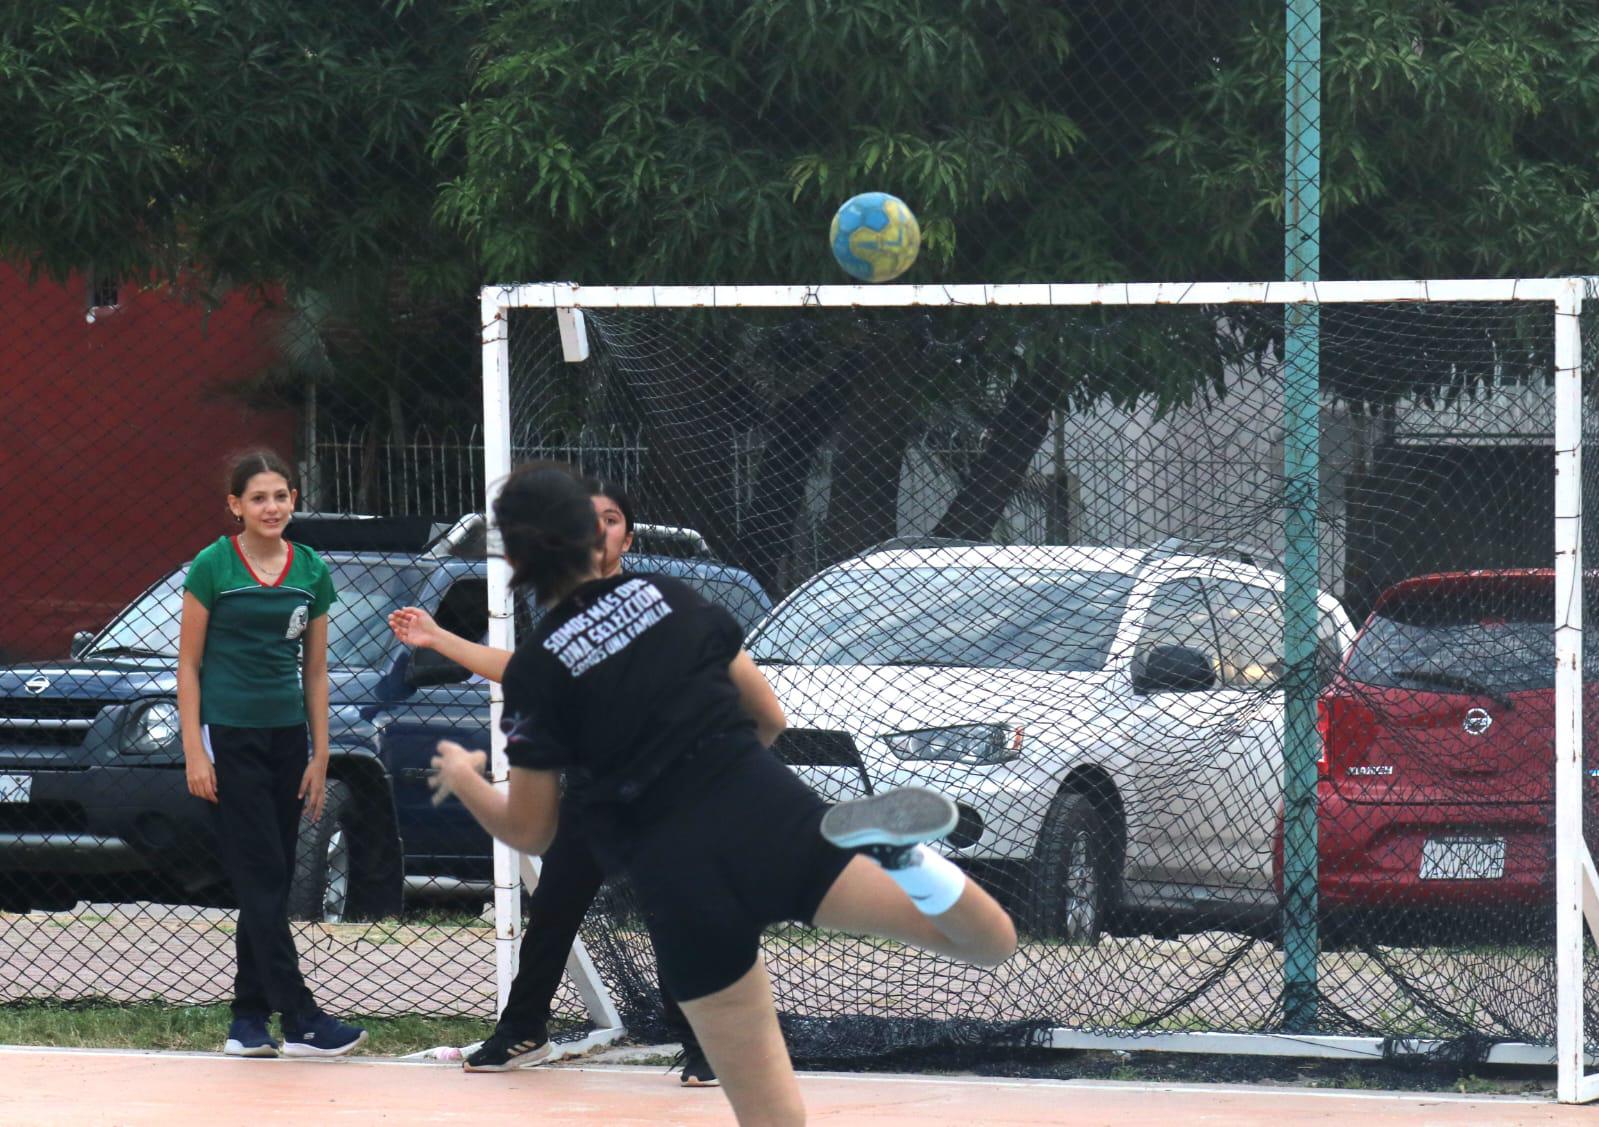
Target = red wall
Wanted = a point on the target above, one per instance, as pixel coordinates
(114, 438)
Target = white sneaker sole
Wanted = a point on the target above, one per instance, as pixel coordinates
(300, 1049)
(237, 1049)
(905, 816)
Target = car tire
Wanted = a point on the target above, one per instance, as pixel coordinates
(323, 878)
(25, 892)
(1072, 872)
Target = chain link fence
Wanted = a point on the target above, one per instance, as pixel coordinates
(270, 229)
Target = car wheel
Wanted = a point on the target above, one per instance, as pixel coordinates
(321, 886)
(25, 892)
(1071, 885)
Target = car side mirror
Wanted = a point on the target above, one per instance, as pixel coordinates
(1174, 669)
(429, 667)
(80, 642)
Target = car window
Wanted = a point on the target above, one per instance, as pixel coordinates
(464, 610)
(358, 631)
(1249, 630)
(1178, 616)
(739, 601)
(358, 624)
(150, 622)
(1460, 640)
(983, 617)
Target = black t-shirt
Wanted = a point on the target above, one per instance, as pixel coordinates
(618, 682)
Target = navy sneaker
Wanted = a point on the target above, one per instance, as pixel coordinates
(322, 1036)
(503, 1052)
(248, 1037)
(888, 827)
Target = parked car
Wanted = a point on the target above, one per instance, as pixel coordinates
(93, 799)
(1108, 720)
(1437, 774)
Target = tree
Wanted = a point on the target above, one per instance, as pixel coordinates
(378, 160)
(266, 144)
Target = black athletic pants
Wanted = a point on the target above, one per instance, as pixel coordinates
(568, 882)
(257, 820)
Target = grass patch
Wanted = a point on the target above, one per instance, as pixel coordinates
(153, 1025)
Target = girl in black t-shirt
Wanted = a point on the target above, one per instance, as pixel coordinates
(571, 875)
(640, 692)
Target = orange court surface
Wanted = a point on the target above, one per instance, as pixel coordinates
(46, 1087)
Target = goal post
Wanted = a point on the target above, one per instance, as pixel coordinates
(580, 317)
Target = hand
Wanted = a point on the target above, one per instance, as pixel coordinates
(201, 775)
(314, 787)
(415, 627)
(451, 766)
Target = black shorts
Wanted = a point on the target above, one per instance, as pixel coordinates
(713, 874)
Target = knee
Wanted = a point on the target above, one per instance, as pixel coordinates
(998, 946)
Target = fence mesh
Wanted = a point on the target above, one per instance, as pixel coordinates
(110, 880)
(267, 227)
(1032, 559)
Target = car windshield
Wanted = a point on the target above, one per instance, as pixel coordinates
(1460, 642)
(358, 632)
(982, 617)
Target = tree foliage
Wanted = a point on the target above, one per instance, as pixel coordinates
(378, 159)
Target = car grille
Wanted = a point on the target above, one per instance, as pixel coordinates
(814, 747)
(43, 818)
(46, 723)
(809, 747)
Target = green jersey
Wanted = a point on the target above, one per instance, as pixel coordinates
(250, 672)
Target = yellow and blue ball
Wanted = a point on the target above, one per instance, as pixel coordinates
(875, 237)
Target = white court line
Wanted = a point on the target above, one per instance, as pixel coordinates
(864, 1078)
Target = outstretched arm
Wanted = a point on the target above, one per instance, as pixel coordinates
(415, 627)
(524, 817)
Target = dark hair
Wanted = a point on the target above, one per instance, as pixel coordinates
(246, 466)
(599, 487)
(546, 521)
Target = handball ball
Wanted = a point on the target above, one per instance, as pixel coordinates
(875, 237)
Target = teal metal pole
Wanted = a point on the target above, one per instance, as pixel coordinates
(1301, 473)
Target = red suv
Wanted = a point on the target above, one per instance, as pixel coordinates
(1437, 769)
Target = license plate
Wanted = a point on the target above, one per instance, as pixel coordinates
(16, 788)
(1463, 858)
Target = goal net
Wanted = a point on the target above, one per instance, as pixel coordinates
(1228, 614)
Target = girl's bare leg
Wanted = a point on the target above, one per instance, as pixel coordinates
(865, 899)
(737, 1027)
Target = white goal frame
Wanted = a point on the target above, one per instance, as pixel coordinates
(1576, 882)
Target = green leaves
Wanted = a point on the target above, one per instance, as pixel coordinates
(268, 141)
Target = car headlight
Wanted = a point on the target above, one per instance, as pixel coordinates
(153, 729)
(976, 744)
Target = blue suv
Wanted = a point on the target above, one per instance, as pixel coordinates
(93, 798)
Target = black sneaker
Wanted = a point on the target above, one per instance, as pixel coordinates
(503, 1052)
(321, 1036)
(696, 1070)
(888, 827)
(248, 1037)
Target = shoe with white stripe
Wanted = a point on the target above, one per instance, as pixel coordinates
(502, 1053)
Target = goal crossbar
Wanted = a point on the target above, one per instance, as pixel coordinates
(557, 295)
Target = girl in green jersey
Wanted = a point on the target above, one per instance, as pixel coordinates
(253, 698)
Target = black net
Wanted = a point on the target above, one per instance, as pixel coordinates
(1033, 558)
